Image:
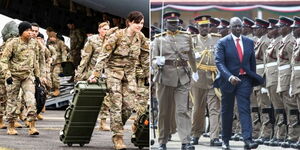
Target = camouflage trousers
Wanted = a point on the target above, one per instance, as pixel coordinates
(122, 94)
(3, 99)
(28, 87)
(142, 97)
(104, 111)
(55, 70)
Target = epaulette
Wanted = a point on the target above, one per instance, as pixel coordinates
(215, 34)
(184, 32)
(160, 34)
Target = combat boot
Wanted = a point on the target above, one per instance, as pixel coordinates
(103, 126)
(2, 125)
(32, 130)
(56, 92)
(118, 142)
(18, 125)
(40, 117)
(11, 130)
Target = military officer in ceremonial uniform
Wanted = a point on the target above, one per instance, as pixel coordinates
(271, 73)
(294, 90)
(284, 75)
(223, 27)
(260, 93)
(203, 47)
(171, 51)
(247, 28)
(214, 23)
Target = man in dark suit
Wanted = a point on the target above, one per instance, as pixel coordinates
(235, 60)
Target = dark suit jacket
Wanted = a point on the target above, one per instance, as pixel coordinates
(228, 63)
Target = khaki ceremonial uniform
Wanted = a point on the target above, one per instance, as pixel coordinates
(295, 85)
(271, 72)
(206, 68)
(294, 122)
(20, 61)
(173, 82)
(262, 98)
(120, 56)
(284, 77)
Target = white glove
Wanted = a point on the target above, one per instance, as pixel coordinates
(195, 76)
(264, 90)
(290, 91)
(160, 60)
(197, 55)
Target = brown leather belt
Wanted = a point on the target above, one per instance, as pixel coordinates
(176, 63)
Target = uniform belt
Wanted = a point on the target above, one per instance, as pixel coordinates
(284, 67)
(271, 64)
(296, 67)
(176, 63)
(261, 66)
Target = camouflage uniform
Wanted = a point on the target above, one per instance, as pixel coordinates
(3, 96)
(61, 56)
(89, 54)
(77, 39)
(120, 57)
(19, 61)
(142, 95)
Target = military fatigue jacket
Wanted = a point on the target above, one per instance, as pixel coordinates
(177, 50)
(271, 67)
(20, 59)
(206, 67)
(284, 62)
(89, 56)
(120, 54)
(61, 51)
(295, 78)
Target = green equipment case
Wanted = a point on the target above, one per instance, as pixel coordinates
(82, 114)
(140, 137)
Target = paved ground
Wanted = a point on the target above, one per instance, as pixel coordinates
(204, 145)
(49, 136)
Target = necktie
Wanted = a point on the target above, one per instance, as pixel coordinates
(239, 50)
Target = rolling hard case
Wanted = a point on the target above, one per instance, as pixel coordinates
(140, 137)
(82, 114)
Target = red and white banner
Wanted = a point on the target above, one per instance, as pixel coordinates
(285, 9)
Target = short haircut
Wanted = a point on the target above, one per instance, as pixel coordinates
(35, 24)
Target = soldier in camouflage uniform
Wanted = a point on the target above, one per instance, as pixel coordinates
(9, 31)
(89, 55)
(19, 64)
(77, 38)
(120, 55)
(61, 56)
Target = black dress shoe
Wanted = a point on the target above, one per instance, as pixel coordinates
(225, 146)
(207, 134)
(249, 144)
(294, 145)
(215, 142)
(276, 142)
(268, 142)
(287, 144)
(236, 137)
(162, 147)
(261, 140)
(194, 141)
(187, 146)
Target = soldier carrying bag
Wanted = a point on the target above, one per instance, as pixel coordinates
(40, 95)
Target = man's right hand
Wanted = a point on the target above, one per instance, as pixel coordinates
(9, 80)
(234, 80)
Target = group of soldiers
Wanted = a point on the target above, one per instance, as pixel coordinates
(275, 106)
(26, 59)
